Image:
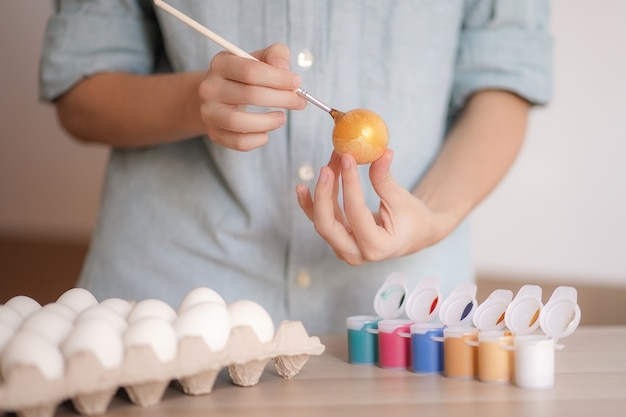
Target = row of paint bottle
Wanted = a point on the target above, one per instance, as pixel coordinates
(505, 339)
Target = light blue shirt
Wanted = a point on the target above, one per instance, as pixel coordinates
(190, 214)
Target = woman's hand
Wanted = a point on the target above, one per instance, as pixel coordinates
(475, 156)
(233, 83)
(403, 224)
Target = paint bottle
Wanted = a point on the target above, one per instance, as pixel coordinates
(495, 357)
(363, 339)
(422, 306)
(460, 357)
(394, 345)
(364, 332)
(535, 353)
(426, 350)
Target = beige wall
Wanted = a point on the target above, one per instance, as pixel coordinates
(558, 215)
(49, 184)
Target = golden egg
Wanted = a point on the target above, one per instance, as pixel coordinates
(362, 133)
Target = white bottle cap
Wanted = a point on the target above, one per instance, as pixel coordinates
(561, 314)
(359, 322)
(490, 314)
(522, 315)
(423, 303)
(391, 296)
(457, 310)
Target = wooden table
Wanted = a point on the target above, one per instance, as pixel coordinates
(590, 381)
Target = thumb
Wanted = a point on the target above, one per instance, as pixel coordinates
(380, 176)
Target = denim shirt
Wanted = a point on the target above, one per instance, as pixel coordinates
(183, 215)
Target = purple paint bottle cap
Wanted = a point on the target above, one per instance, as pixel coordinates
(561, 314)
(391, 296)
(423, 303)
(522, 315)
(490, 314)
(457, 310)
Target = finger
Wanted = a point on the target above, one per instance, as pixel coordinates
(234, 120)
(358, 214)
(380, 174)
(248, 71)
(326, 224)
(215, 89)
(238, 93)
(305, 201)
(387, 189)
(335, 165)
(237, 141)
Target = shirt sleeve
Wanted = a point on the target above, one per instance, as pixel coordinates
(504, 45)
(84, 37)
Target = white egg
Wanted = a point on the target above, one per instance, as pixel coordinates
(99, 337)
(100, 312)
(10, 317)
(49, 325)
(120, 306)
(61, 309)
(200, 295)
(209, 320)
(24, 305)
(6, 333)
(77, 299)
(151, 307)
(31, 349)
(250, 313)
(153, 332)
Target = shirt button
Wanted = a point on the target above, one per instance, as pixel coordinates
(303, 279)
(306, 172)
(305, 59)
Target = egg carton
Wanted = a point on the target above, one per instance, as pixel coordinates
(145, 377)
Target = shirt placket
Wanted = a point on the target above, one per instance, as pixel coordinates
(307, 128)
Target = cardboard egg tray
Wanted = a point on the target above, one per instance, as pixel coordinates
(145, 378)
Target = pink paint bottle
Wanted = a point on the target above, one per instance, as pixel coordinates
(394, 343)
